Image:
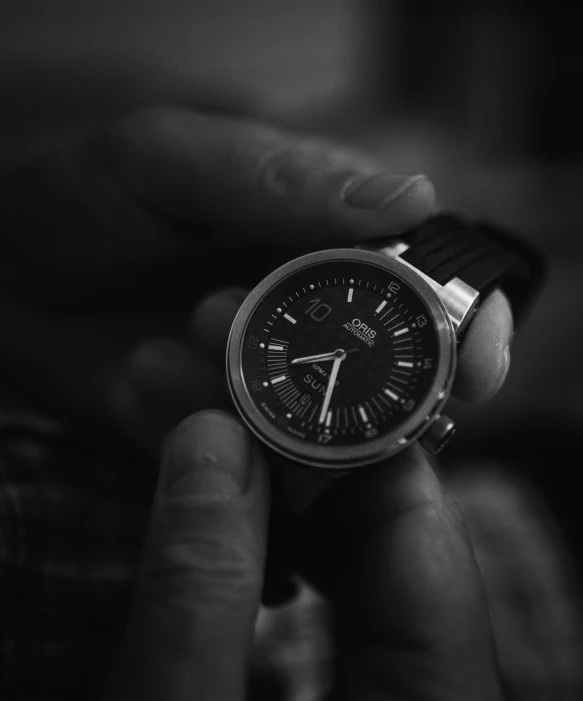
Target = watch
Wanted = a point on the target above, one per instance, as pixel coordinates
(342, 358)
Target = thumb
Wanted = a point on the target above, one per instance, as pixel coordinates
(192, 622)
(391, 553)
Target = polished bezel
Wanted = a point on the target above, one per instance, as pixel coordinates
(343, 457)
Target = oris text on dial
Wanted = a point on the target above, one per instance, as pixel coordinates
(362, 331)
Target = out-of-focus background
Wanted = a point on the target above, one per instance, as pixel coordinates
(485, 97)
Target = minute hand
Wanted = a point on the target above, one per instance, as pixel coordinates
(330, 388)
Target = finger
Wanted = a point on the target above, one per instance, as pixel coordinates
(212, 319)
(484, 353)
(167, 381)
(242, 180)
(197, 599)
(391, 553)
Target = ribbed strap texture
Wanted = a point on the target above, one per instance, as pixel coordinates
(482, 255)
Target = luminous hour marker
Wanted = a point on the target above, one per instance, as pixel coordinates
(405, 364)
(363, 415)
(289, 318)
(350, 293)
(392, 395)
(328, 418)
(275, 380)
(400, 331)
(381, 306)
(271, 346)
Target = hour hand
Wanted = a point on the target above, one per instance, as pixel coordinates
(323, 356)
(314, 358)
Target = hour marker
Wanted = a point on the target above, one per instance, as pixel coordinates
(404, 364)
(363, 415)
(275, 380)
(265, 384)
(400, 331)
(288, 416)
(290, 318)
(271, 346)
(262, 345)
(279, 310)
(351, 282)
(381, 306)
(392, 395)
(328, 418)
(350, 293)
(311, 287)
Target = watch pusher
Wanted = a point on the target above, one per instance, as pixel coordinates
(438, 435)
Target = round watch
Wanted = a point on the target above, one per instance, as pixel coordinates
(343, 357)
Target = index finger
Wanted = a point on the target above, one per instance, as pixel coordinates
(240, 179)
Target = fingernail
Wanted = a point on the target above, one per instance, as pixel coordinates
(378, 191)
(208, 456)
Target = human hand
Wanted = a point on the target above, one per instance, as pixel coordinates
(110, 241)
(389, 550)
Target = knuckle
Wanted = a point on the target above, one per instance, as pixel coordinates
(283, 165)
(280, 172)
(149, 125)
(206, 566)
(138, 140)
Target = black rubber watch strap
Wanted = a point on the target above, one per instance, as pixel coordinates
(482, 255)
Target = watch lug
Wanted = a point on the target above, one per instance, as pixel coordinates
(459, 299)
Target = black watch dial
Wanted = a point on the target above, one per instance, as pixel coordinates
(339, 353)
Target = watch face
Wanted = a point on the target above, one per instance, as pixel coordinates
(335, 356)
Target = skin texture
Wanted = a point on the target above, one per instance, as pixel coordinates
(390, 551)
(118, 291)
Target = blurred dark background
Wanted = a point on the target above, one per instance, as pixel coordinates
(484, 97)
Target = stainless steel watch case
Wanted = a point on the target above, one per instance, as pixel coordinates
(341, 458)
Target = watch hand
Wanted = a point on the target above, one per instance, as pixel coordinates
(330, 387)
(319, 358)
(314, 358)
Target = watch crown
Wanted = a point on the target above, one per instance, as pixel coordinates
(438, 434)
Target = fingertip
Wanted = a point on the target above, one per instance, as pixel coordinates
(216, 452)
(208, 454)
(419, 198)
(172, 376)
(414, 205)
(484, 354)
(213, 317)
